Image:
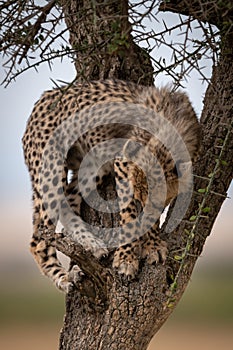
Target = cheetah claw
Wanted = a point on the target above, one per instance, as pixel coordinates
(127, 268)
(155, 253)
(64, 285)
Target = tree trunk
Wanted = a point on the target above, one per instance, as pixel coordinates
(101, 34)
(104, 312)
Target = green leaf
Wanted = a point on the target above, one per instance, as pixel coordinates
(173, 285)
(201, 190)
(170, 305)
(223, 162)
(206, 210)
(193, 218)
(178, 257)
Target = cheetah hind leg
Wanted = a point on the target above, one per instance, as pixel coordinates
(46, 257)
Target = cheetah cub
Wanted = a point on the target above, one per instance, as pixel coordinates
(146, 137)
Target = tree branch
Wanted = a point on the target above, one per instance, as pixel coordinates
(35, 28)
(214, 12)
(97, 277)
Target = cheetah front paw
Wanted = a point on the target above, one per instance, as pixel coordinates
(155, 251)
(126, 262)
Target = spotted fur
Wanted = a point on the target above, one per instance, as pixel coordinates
(132, 184)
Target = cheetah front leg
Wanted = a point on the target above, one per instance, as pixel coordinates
(126, 257)
(143, 239)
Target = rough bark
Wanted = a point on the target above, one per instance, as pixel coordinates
(105, 312)
(101, 34)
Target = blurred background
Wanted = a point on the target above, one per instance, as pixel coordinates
(31, 309)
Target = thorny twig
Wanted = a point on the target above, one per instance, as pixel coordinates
(33, 34)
